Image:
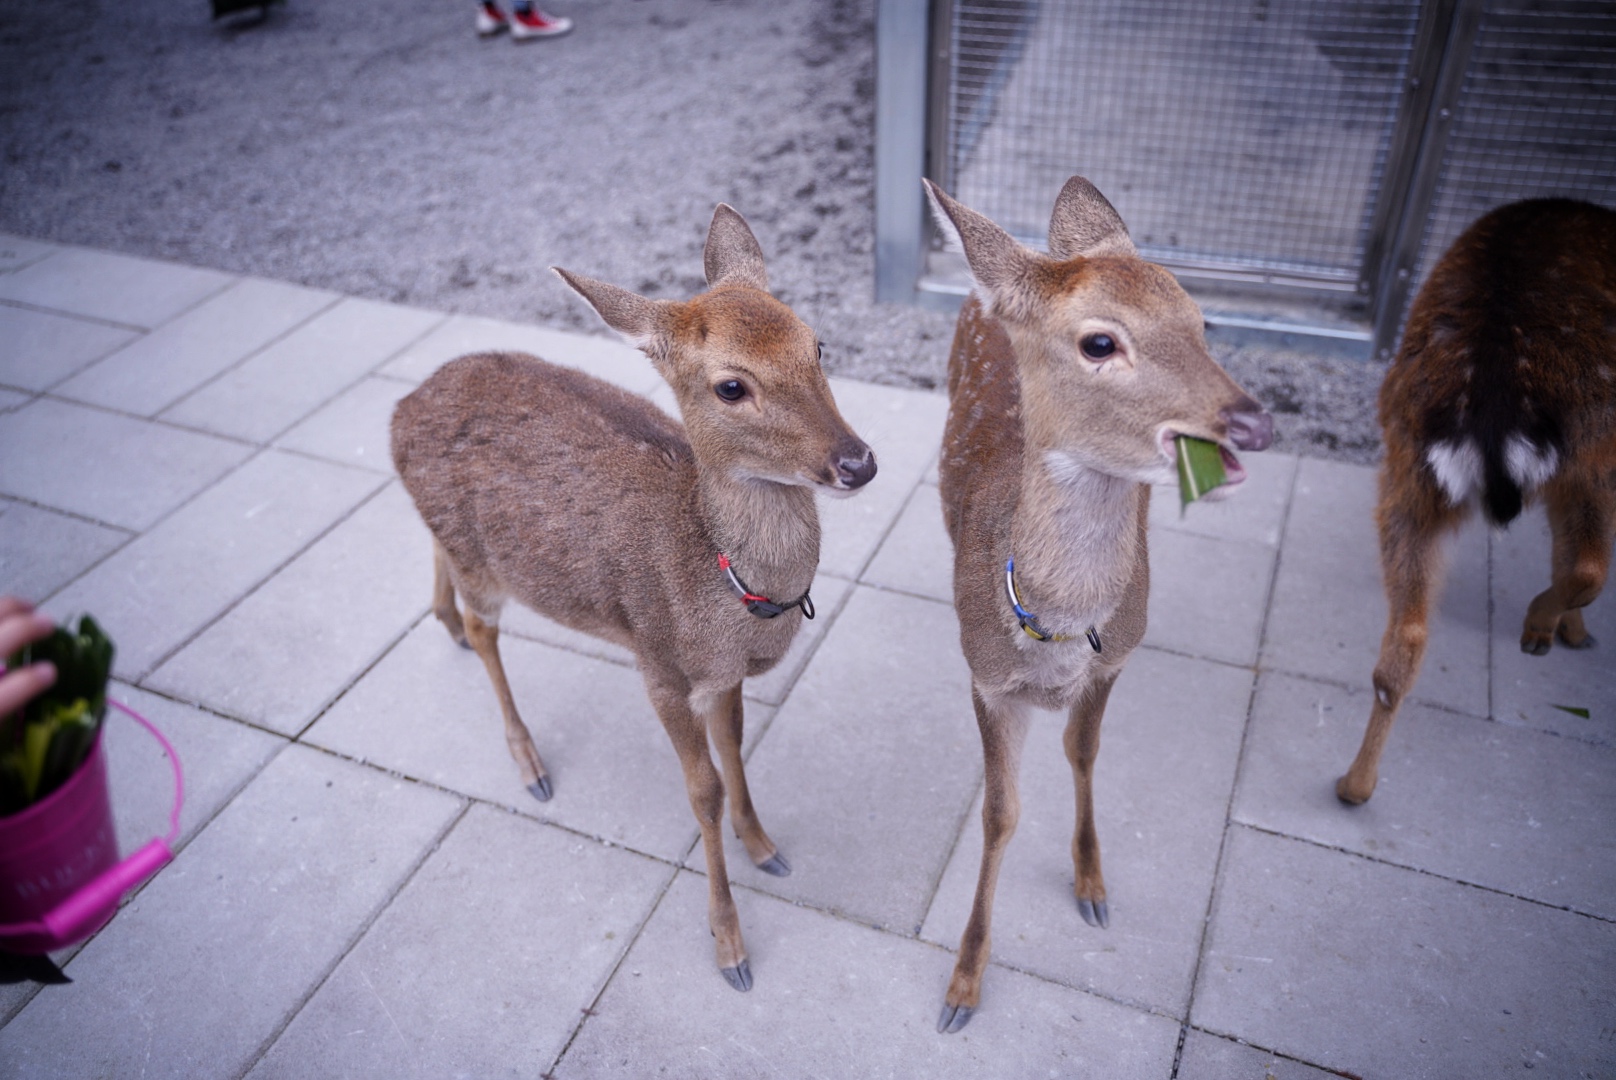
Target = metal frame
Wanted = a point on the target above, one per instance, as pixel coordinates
(902, 35)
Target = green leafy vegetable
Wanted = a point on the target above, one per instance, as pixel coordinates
(1574, 710)
(44, 742)
(1200, 468)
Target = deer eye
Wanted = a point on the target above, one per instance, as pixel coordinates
(730, 390)
(1097, 346)
(820, 345)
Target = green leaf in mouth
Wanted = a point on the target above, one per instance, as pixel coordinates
(1200, 468)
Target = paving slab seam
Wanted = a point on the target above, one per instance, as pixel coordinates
(886, 534)
(428, 850)
(43, 255)
(381, 655)
(41, 309)
(1493, 889)
(1203, 945)
(1366, 687)
(588, 1011)
(1280, 1054)
(261, 582)
(157, 420)
(74, 514)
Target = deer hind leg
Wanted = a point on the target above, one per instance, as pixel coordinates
(1582, 518)
(670, 697)
(726, 724)
(443, 596)
(484, 637)
(1410, 559)
(1082, 742)
(1004, 732)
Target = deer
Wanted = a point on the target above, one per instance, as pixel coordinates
(1069, 378)
(692, 544)
(1502, 394)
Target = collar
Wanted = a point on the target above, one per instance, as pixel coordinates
(762, 606)
(1029, 621)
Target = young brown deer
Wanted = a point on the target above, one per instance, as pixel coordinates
(1071, 375)
(589, 505)
(1503, 392)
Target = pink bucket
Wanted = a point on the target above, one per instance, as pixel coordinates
(60, 878)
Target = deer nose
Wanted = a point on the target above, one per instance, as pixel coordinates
(855, 465)
(1250, 429)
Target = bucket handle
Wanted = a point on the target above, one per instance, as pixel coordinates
(82, 913)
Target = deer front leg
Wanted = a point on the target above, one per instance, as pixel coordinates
(1004, 732)
(1581, 519)
(484, 638)
(726, 724)
(1082, 741)
(670, 696)
(1410, 558)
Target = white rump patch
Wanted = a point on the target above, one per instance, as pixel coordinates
(1458, 469)
(1529, 466)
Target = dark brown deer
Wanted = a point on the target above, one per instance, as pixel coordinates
(1071, 375)
(693, 545)
(1503, 393)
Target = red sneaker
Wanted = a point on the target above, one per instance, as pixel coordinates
(535, 23)
(490, 20)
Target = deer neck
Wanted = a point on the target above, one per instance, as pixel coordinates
(1074, 535)
(769, 531)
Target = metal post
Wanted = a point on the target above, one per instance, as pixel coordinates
(902, 36)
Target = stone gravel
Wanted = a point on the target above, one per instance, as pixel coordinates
(381, 149)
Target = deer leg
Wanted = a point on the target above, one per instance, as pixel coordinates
(1004, 731)
(484, 637)
(1082, 740)
(1582, 518)
(443, 596)
(706, 791)
(725, 724)
(1410, 558)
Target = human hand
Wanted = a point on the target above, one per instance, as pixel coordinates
(21, 625)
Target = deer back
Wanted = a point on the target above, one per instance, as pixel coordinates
(1507, 368)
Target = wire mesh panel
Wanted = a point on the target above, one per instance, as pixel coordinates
(1536, 114)
(1236, 135)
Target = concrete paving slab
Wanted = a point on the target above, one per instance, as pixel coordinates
(41, 550)
(152, 373)
(1169, 747)
(905, 429)
(288, 650)
(1524, 812)
(218, 757)
(115, 469)
(213, 957)
(290, 379)
(39, 350)
(484, 963)
(916, 556)
(1527, 688)
(1208, 597)
(1378, 971)
(427, 711)
(606, 358)
(868, 769)
(159, 590)
(1329, 608)
(11, 400)
(1207, 1057)
(140, 293)
(17, 252)
(354, 427)
(1255, 513)
(832, 998)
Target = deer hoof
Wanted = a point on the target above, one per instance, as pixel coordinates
(739, 976)
(1351, 795)
(1534, 644)
(953, 1018)
(1094, 912)
(775, 865)
(1587, 641)
(541, 789)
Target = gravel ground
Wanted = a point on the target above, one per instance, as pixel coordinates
(379, 148)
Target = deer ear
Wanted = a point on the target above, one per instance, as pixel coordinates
(636, 318)
(1085, 223)
(732, 255)
(998, 263)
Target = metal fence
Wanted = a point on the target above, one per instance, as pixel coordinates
(1323, 149)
